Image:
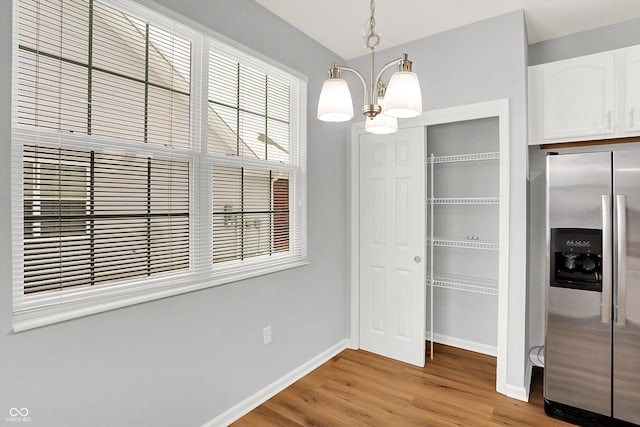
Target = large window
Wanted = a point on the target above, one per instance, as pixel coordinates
(148, 160)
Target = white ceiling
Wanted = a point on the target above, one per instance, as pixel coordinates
(339, 24)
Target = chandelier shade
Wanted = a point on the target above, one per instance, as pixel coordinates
(403, 98)
(381, 124)
(335, 104)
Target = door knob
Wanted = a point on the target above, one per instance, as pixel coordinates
(417, 259)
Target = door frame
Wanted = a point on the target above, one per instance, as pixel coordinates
(498, 108)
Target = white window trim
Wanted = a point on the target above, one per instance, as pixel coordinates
(47, 308)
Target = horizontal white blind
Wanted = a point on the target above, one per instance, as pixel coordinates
(249, 112)
(111, 80)
(258, 186)
(86, 67)
(250, 213)
(92, 218)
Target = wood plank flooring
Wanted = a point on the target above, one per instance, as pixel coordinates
(357, 388)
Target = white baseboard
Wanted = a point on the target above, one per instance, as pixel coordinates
(521, 392)
(235, 412)
(465, 344)
(527, 379)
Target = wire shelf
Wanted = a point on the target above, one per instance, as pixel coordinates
(464, 201)
(480, 285)
(469, 244)
(474, 157)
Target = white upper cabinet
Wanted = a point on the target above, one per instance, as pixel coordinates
(585, 98)
(578, 97)
(632, 90)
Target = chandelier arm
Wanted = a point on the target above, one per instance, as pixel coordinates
(385, 68)
(360, 76)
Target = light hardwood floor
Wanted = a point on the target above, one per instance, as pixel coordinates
(357, 388)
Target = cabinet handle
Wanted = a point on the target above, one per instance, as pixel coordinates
(631, 121)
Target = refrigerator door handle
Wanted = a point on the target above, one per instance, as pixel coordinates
(621, 212)
(607, 257)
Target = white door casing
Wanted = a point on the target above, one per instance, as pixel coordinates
(392, 245)
(498, 108)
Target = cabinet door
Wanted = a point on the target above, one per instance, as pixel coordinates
(579, 97)
(632, 90)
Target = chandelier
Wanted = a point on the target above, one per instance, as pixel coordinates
(382, 104)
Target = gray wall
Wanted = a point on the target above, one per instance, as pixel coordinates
(583, 43)
(600, 39)
(183, 360)
(481, 62)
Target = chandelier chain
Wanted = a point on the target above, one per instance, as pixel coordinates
(372, 18)
(372, 39)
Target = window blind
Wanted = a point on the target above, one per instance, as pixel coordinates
(96, 216)
(93, 218)
(250, 213)
(256, 179)
(249, 112)
(86, 67)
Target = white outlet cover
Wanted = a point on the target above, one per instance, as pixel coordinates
(266, 335)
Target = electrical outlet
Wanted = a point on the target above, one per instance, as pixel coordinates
(266, 335)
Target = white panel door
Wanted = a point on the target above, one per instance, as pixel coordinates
(392, 245)
(579, 97)
(632, 89)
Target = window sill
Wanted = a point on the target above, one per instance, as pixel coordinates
(128, 296)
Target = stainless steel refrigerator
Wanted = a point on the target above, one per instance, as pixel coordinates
(592, 339)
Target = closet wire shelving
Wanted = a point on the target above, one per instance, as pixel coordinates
(465, 244)
(474, 284)
(474, 157)
(479, 285)
(463, 201)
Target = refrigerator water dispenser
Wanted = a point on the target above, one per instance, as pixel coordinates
(576, 258)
